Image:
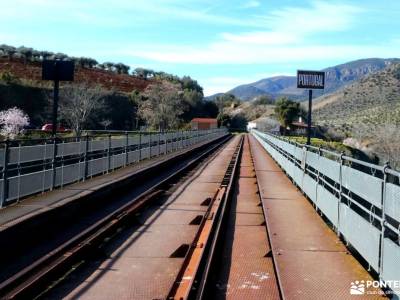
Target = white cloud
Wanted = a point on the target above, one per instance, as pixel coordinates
(237, 53)
(101, 12)
(287, 38)
(319, 17)
(261, 38)
(251, 4)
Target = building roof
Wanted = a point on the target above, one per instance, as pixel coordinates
(298, 124)
(204, 120)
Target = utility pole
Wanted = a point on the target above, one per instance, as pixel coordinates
(55, 106)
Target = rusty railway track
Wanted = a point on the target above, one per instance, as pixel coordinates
(192, 279)
(34, 279)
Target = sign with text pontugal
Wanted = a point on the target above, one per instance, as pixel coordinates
(310, 79)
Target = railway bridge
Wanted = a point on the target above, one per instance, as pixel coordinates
(195, 215)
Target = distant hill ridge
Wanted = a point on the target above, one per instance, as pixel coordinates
(336, 78)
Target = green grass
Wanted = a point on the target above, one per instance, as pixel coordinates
(329, 145)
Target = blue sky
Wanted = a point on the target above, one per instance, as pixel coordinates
(220, 43)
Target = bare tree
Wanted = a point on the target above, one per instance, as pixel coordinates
(106, 123)
(382, 139)
(163, 105)
(77, 104)
(267, 124)
(387, 144)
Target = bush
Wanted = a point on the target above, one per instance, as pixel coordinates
(8, 77)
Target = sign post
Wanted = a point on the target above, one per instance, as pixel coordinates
(57, 70)
(310, 80)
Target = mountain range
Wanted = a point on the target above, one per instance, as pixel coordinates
(336, 78)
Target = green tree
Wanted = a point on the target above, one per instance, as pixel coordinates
(45, 54)
(144, 73)
(26, 53)
(191, 84)
(287, 111)
(238, 122)
(225, 100)
(60, 56)
(192, 104)
(210, 109)
(263, 100)
(224, 119)
(109, 66)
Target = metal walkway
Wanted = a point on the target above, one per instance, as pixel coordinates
(311, 262)
(143, 262)
(246, 269)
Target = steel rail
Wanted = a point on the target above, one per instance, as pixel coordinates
(31, 280)
(201, 257)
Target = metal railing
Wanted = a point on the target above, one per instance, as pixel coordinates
(361, 200)
(34, 166)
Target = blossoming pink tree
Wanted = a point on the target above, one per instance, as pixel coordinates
(12, 121)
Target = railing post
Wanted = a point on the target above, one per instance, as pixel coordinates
(159, 140)
(126, 147)
(150, 145)
(85, 157)
(318, 175)
(62, 166)
(383, 219)
(53, 164)
(166, 141)
(109, 154)
(4, 195)
(140, 145)
(176, 140)
(181, 139)
(19, 170)
(340, 192)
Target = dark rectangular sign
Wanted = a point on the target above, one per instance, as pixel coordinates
(58, 70)
(310, 79)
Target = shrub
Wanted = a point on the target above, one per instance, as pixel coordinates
(8, 77)
(13, 121)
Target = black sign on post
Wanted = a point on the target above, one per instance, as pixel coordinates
(310, 80)
(57, 71)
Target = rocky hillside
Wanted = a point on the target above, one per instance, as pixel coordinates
(374, 99)
(32, 71)
(336, 78)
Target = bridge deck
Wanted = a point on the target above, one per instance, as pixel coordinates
(140, 262)
(311, 262)
(246, 270)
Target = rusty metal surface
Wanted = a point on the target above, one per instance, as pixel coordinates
(311, 262)
(139, 263)
(246, 272)
(122, 278)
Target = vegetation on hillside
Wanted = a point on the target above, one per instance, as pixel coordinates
(366, 114)
(92, 101)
